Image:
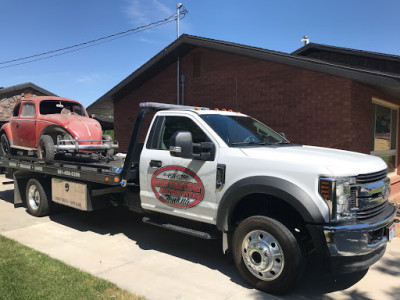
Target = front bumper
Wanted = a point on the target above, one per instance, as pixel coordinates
(93, 145)
(354, 247)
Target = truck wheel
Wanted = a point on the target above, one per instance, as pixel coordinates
(107, 152)
(46, 149)
(37, 201)
(5, 145)
(267, 254)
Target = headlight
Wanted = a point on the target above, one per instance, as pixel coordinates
(339, 195)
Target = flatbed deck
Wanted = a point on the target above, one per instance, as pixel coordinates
(82, 167)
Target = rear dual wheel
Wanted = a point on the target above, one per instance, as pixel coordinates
(267, 254)
(37, 198)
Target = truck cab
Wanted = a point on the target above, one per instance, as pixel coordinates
(271, 199)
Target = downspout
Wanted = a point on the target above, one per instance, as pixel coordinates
(177, 81)
(183, 88)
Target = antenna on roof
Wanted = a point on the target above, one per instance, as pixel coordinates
(178, 13)
(305, 40)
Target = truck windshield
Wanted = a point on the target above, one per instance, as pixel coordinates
(242, 130)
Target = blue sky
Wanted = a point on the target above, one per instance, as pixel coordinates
(30, 27)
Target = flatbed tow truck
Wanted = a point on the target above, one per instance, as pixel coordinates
(222, 174)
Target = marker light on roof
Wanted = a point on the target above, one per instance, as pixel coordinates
(158, 105)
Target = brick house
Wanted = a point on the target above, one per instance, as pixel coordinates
(11, 95)
(318, 95)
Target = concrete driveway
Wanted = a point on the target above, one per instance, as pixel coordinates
(160, 264)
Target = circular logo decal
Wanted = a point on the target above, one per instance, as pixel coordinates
(177, 187)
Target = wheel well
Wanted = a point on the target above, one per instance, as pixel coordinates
(53, 131)
(270, 206)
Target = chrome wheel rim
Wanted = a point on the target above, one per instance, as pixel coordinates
(263, 255)
(34, 197)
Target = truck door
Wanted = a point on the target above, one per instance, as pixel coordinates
(174, 185)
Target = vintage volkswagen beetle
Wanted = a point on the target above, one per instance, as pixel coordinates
(51, 125)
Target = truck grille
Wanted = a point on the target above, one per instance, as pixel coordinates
(369, 213)
(370, 194)
(372, 177)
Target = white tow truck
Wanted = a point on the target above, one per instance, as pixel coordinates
(223, 174)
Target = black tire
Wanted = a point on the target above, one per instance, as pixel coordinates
(267, 255)
(37, 200)
(46, 149)
(5, 148)
(108, 152)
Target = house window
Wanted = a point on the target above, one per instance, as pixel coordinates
(384, 145)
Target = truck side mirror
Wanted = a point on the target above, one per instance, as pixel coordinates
(181, 144)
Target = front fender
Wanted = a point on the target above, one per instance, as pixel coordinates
(7, 129)
(271, 186)
(53, 131)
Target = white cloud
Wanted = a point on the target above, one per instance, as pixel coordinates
(89, 78)
(163, 8)
(136, 13)
(144, 12)
(148, 41)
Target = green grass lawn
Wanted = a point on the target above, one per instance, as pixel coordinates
(28, 274)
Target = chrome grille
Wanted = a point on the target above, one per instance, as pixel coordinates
(353, 198)
(370, 194)
(372, 177)
(369, 213)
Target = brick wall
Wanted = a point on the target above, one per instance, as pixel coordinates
(310, 107)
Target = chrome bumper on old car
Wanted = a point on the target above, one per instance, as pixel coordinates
(76, 145)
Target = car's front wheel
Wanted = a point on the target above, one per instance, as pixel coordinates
(46, 149)
(5, 147)
(267, 254)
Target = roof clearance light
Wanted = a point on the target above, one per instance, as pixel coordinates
(229, 109)
(106, 179)
(223, 109)
(116, 179)
(161, 106)
(216, 109)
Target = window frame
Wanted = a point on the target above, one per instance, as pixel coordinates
(156, 136)
(391, 152)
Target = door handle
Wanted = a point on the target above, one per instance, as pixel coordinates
(155, 163)
(18, 123)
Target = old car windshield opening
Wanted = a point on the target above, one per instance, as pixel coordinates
(242, 130)
(48, 107)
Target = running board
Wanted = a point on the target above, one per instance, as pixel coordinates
(181, 229)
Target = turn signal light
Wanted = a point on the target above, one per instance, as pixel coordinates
(325, 189)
